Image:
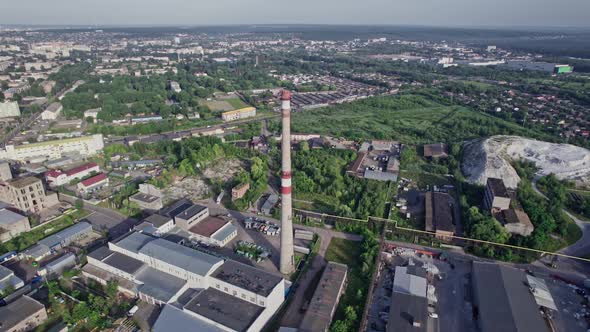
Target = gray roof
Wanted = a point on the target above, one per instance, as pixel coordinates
(134, 241)
(224, 232)
(224, 309)
(380, 176)
(17, 311)
(101, 253)
(504, 300)
(159, 285)
(439, 212)
(5, 272)
(37, 251)
(405, 311)
(8, 217)
(408, 283)
(124, 263)
(325, 299)
(157, 220)
(174, 319)
(247, 277)
(497, 187)
(185, 258)
(66, 234)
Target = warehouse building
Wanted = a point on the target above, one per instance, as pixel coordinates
(52, 111)
(93, 183)
(439, 214)
(59, 178)
(503, 301)
(242, 113)
(58, 240)
(9, 109)
(324, 302)
(9, 280)
(206, 291)
(409, 303)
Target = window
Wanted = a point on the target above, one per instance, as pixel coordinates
(217, 286)
(225, 289)
(252, 300)
(244, 296)
(235, 293)
(261, 302)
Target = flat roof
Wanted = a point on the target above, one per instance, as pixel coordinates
(208, 226)
(408, 313)
(157, 220)
(224, 309)
(409, 281)
(147, 198)
(174, 319)
(24, 182)
(435, 150)
(134, 241)
(191, 211)
(224, 232)
(15, 312)
(178, 255)
(101, 253)
(124, 263)
(439, 212)
(159, 285)
(497, 187)
(325, 299)
(504, 300)
(247, 277)
(8, 217)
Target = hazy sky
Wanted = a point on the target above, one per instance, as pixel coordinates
(217, 12)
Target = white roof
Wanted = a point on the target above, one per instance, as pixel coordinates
(408, 283)
(541, 292)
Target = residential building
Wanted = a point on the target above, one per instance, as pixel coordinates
(52, 111)
(238, 114)
(59, 240)
(324, 301)
(92, 184)
(24, 314)
(41, 151)
(9, 109)
(496, 195)
(439, 214)
(27, 194)
(239, 191)
(12, 224)
(174, 86)
(436, 151)
(208, 293)
(57, 178)
(503, 300)
(9, 280)
(47, 86)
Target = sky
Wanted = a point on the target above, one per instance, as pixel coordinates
(491, 13)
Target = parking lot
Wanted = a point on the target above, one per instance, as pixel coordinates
(571, 306)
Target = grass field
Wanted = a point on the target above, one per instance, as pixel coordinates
(225, 104)
(236, 103)
(408, 118)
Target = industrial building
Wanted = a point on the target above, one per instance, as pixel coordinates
(8, 279)
(155, 225)
(499, 202)
(93, 183)
(239, 191)
(57, 241)
(41, 151)
(52, 111)
(12, 224)
(409, 303)
(503, 300)
(539, 66)
(496, 195)
(149, 198)
(195, 288)
(324, 302)
(439, 214)
(59, 178)
(9, 109)
(242, 113)
(24, 314)
(436, 151)
(27, 194)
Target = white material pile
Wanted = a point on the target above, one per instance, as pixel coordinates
(492, 157)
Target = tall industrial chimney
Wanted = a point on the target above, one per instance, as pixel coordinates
(287, 264)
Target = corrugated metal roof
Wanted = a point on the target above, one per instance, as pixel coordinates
(174, 319)
(181, 256)
(224, 232)
(134, 242)
(66, 234)
(408, 283)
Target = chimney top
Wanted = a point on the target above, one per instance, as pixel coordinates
(286, 95)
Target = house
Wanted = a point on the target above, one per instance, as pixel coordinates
(12, 224)
(52, 111)
(24, 314)
(93, 183)
(239, 191)
(439, 214)
(435, 151)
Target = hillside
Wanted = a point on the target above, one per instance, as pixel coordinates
(492, 157)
